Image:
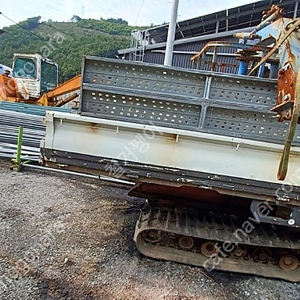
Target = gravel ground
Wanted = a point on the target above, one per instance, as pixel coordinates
(68, 237)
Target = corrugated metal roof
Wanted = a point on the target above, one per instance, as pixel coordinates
(225, 20)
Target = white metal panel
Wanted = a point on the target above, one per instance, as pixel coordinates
(172, 148)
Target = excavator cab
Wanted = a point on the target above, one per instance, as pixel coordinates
(34, 74)
(34, 79)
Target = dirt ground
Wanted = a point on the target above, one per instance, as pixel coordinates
(68, 237)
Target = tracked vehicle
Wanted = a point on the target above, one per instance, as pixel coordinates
(220, 173)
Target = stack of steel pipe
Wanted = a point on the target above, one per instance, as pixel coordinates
(30, 117)
(33, 131)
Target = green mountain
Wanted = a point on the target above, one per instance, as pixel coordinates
(65, 42)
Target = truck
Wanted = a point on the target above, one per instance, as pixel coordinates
(215, 155)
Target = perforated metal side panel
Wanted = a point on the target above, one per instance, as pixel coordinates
(216, 103)
(238, 123)
(143, 109)
(240, 91)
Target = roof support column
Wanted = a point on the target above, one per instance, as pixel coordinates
(171, 34)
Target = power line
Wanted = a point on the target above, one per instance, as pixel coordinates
(22, 27)
(44, 23)
(138, 15)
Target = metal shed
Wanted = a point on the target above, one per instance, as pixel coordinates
(192, 34)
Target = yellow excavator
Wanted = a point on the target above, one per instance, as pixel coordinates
(34, 80)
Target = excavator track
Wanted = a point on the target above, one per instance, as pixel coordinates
(217, 241)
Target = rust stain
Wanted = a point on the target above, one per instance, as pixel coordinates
(291, 56)
(94, 127)
(285, 92)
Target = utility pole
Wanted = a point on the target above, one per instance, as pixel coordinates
(171, 34)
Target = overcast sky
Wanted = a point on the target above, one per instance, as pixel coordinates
(136, 12)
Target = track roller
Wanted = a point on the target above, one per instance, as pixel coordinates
(289, 262)
(186, 242)
(208, 249)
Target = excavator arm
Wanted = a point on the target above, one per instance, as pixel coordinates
(69, 86)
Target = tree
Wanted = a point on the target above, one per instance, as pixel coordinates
(84, 37)
(31, 23)
(75, 18)
(118, 21)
